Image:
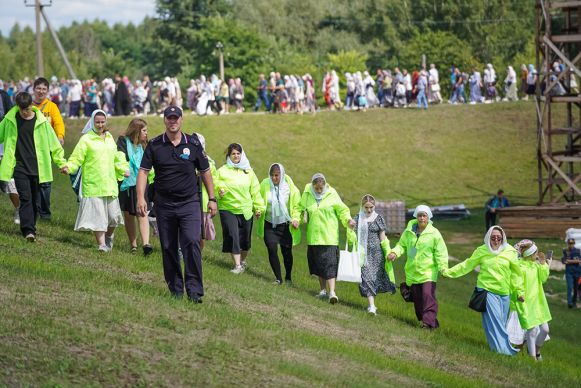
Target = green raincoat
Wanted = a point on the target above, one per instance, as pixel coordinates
(535, 309)
(103, 165)
(499, 274)
(242, 191)
(293, 207)
(323, 218)
(46, 144)
(426, 255)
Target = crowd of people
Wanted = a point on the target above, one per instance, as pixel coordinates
(171, 177)
(292, 93)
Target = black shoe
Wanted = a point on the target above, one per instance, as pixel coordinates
(570, 306)
(147, 250)
(195, 299)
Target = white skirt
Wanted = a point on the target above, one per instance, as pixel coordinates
(97, 214)
(516, 334)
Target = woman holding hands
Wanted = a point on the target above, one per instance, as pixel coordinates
(238, 199)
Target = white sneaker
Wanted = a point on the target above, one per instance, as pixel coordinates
(333, 298)
(244, 265)
(372, 310)
(30, 237)
(103, 248)
(322, 294)
(237, 270)
(16, 217)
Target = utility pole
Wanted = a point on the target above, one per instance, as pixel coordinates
(39, 11)
(220, 48)
(39, 60)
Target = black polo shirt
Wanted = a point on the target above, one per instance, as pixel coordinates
(175, 167)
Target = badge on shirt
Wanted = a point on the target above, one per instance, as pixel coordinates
(185, 154)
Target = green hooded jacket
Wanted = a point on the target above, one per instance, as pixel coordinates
(293, 206)
(103, 165)
(426, 255)
(242, 191)
(46, 144)
(323, 219)
(498, 274)
(535, 309)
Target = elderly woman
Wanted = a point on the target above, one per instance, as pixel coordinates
(322, 211)
(499, 275)
(427, 255)
(238, 199)
(279, 224)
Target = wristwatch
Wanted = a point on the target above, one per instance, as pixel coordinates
(212, 199)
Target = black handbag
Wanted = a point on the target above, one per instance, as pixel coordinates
(478, 300)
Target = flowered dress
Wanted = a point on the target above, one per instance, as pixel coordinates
(374, 278)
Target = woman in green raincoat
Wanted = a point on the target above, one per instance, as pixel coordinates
(322, 210)
(427, 255)
(279, 224)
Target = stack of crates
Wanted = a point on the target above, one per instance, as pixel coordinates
(393, 212)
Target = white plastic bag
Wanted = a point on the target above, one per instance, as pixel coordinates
(349, 269)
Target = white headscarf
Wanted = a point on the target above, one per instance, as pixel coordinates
(91, 123)
(487, 240)
(243, 164)
(318, 197)
(279, 196)
(363, 222)
(423, 209)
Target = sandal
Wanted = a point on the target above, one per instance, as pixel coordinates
(133, 250)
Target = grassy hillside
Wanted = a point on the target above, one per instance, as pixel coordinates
(71, 316)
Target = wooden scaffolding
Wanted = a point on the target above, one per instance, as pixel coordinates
(558, 38)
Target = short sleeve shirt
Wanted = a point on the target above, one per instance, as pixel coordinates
(175, 167)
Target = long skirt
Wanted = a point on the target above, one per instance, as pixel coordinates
(97, 214)
(494, 321)
(323, 260)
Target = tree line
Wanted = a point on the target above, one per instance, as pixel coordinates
(289, 36)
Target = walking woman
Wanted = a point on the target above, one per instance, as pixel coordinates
(96, 153)
(427, 255)
(238, 199)
(132, 144)
(533, 313)
(373, 247)
(279, 224)
(499, 274)
(322, 210)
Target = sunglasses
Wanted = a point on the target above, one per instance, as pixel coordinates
(496, 238)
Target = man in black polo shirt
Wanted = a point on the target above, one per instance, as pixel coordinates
(175, 157)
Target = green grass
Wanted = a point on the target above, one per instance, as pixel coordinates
(71, 316)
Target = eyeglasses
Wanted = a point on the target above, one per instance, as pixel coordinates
(496, 238)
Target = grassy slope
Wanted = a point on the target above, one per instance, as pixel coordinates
(71, 316)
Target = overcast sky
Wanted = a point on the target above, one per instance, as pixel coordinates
(64, 12)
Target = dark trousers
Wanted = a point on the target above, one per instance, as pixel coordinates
(490, 219)
(273, 237)
(425, 303)
(572, 277)
(181, 220)
(45, 189)
(74, 108)
(29, 192)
